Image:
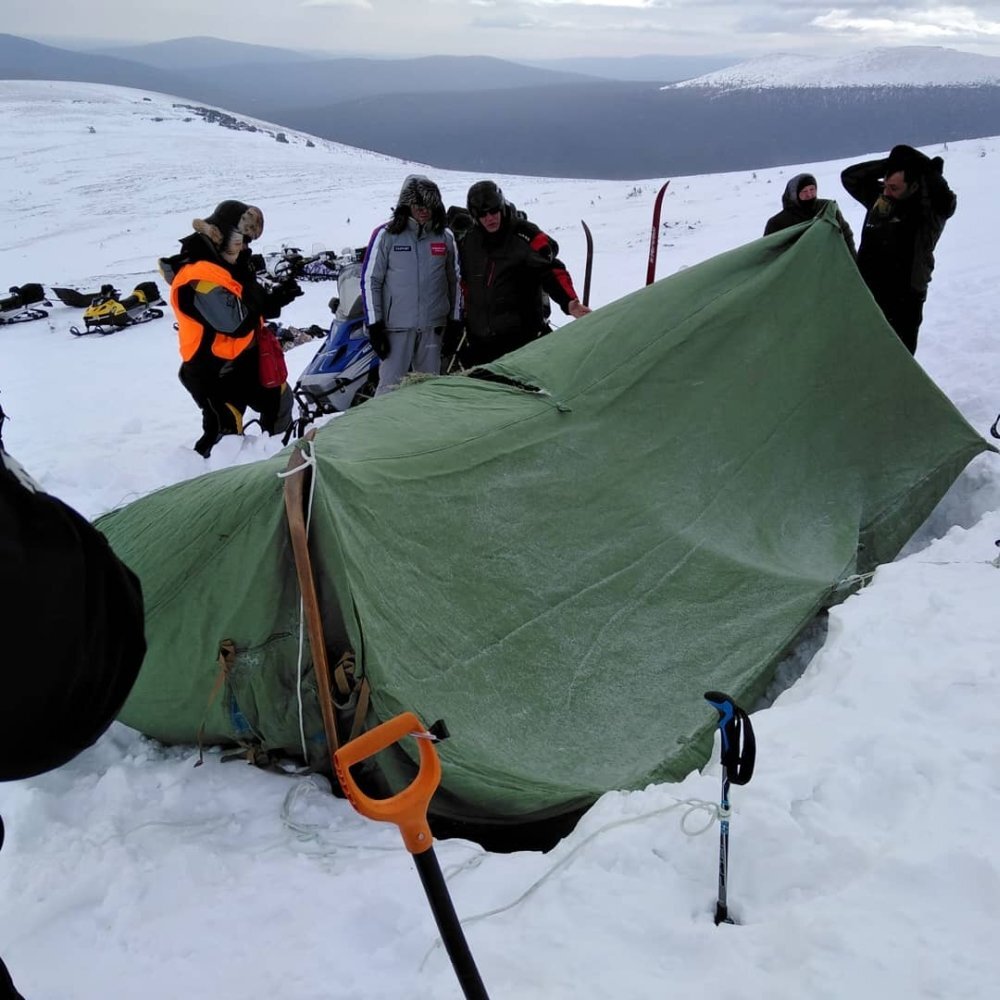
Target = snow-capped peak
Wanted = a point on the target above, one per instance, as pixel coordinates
(903, 66)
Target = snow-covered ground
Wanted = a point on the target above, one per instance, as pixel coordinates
(898, 66)
(863, 860)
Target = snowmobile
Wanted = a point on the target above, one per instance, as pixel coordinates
(321, 266)
(324, 265)
(344, 371)
(21, 305)
(109, 312)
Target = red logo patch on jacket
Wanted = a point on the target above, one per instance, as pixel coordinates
(439, 249)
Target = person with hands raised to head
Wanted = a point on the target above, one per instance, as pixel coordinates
(908, 202)
(410, 285)
(221, 308)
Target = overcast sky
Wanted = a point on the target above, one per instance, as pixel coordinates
(531, 29)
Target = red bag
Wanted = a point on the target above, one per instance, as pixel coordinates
(271, 359)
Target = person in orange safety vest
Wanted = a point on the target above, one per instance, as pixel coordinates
(220, 308)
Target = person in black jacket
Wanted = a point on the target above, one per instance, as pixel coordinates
(509, 266)
(220, 308)
(908, 202)
(72, 625)
(800, 203)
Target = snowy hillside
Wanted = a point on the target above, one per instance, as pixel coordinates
(859, 863)
(903, 66)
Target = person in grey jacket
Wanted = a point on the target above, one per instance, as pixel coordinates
(410, 284)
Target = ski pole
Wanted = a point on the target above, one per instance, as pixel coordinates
(589, 266)
(454, 357)
(739, 751)
(408, 810)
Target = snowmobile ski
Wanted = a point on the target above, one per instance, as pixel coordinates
(995, 429)
(654, 236)
(22, 304)
(108, 313)
(589, 266)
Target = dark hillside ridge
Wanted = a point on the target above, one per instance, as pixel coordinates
(199, 53)
(630, 131)
(21, 59)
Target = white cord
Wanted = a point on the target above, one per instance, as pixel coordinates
(862, 578)
(308, 461)
(693, 805)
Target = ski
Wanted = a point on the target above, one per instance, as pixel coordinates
(995, 429)
(654, 236)
(589, 267)
(22, 304)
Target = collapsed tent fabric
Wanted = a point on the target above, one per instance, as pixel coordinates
(559, 558)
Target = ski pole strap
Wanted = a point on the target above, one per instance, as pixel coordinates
(739, 746)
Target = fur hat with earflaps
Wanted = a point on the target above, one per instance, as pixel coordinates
(228, 218)
(418, 191)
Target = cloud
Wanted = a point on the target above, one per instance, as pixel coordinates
(910, 24)
(363, 4)
(617, 4)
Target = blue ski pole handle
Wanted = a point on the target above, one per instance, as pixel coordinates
(739, 746)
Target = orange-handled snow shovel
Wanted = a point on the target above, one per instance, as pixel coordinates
(408, 810)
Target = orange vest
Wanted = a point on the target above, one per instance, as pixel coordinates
(190, 330)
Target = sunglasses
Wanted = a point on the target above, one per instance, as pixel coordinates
(481, 213)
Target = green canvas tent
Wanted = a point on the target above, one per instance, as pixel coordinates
(560, 553)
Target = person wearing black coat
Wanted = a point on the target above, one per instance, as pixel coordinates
(509, 270)
(71, 618)
(800, 204)
(908, 202)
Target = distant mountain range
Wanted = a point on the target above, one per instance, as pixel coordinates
(488, 115)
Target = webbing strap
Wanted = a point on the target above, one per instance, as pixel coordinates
(739, 747)
(294, 495)
(361, 709)
(226, 659)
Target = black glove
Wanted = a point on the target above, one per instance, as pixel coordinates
(452, 335)
(281, 295)
(379, 339)
(937, 165)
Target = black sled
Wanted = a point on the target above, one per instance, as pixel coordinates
(21, 305)
(108, 313)
(74, 299)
